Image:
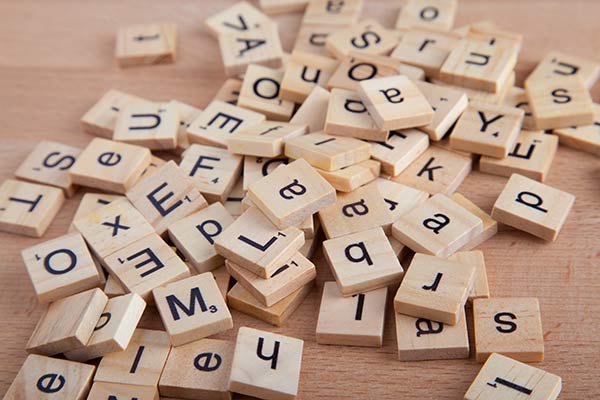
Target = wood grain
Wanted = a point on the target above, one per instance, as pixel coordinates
(58, 59)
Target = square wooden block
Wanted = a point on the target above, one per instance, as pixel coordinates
(557, 64)
(166, 196)
(272, 7)
(362, 261)
(151, 125)
(448, 105)
(585, 138)
(439, 227)
(437, 170)
(141, 363)
(336, 14)
(291, 194)
(155, 164)
(531, 156)
(475, 258)
(399, 198)
(192, 308)
(366, 37)
(294, 274)
(360, 210)
(435, 289)
(310, 111)
(516, 97)
(49, 163)
(395, 102)
(60, 267)
(351, 321)
(400, 150)
(91, 202)
(305, 71)
(219, 121)
(254, 243)
(560, 103)
(502, 378)
(198, 370)
(348, 116)
(481, 95)
(256, 168)
(109, 165)
(312, 38)
(28, 208)
(146, 264)
(508, 326)
(67, 323)
(487, 129)
(357, 67)
(432, 14)
(422, 339)
(327, 152)
(533, 207)
(187, 114)
(490, 226)
(241, 16)
(260, 92)
(213, 171)
(352, 177)
(266, 365)
(266, 139)
(44, 378)
(146, 44)
(105, 390)
(114, 328)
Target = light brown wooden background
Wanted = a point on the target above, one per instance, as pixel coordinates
(56, 60)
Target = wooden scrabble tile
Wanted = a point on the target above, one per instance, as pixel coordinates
(49, 163)
(557, 64)
(155, 163)
(359, 210)
(240, 17)
(352, 177)
(348, 116)
(233, 204)
(28, 208)
(502, 378)
(327, 13)
(432, 14)
(218, 121)
(113, 288)
(256, 168)
(198, 370)
(266, 139)
(531, 156)
(45, 378)
(439, 227)
(351, 321)
(266, 364)
(146, 44)
(423, 339)
(195, 236)
(480, 287)
(436, 171)
(141, 363)
(294, 274)
(533, 207)
(586, 138)
(481, 95)
(60, 267)
(435, 289)
(366, 37)
(214, 171)
(105, 390)
(362, 261)
(560, 103)
(400, 150)
(496, 37)
(477, 64)
(357, 67)
(152, 125)
(487, 129)
(238, 298)
(425, 49)
(508, 326)
(166, 196)
(282, 6)
(395, 102)
(109, 165)
(112, 227)
(516, 97)
(260, 92)
(254, 243)
(490, 226)
(310, 112)
(399, 198)
(305, 71)
(307, 226)
(199, 298)
(326, 151)
(311, 38)
(259, 46)
(448, 105)
(114, 328)
(229, 91)
(67, 323)
(146, 264)
(291, 193)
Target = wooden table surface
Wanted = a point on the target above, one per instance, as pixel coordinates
(57, 59)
